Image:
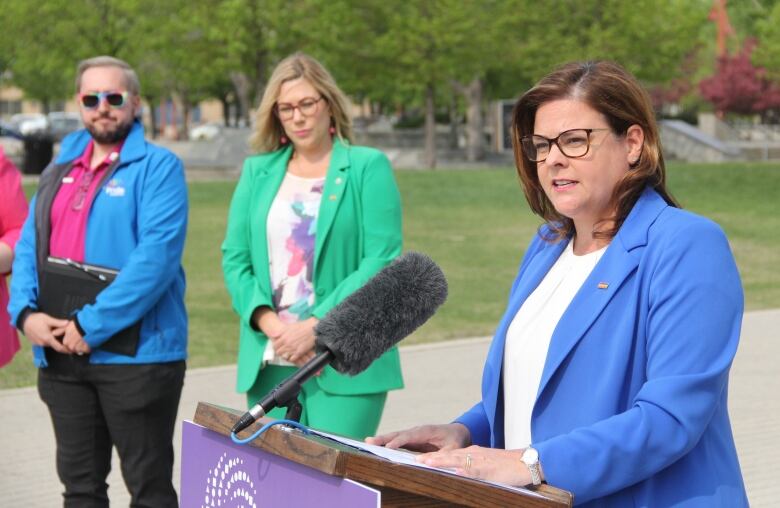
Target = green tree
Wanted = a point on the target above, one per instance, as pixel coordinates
(420, 51)
(648, 37)
(186, 57)
(254, 35)
(171, 44)
(38, 61)
(433, 47)
(49, 38)
(767, 53)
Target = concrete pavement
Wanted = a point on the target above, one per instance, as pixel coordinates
(442, 380)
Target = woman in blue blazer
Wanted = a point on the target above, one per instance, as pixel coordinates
(608, 374)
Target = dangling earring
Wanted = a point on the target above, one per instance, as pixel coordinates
(332, 130)
(283, 140)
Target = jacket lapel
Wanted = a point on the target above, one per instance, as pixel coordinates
(534, 273)
(537, 268)
(618, 262)
(267, 184)
(336, 182)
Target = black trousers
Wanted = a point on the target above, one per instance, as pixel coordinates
(96, 407)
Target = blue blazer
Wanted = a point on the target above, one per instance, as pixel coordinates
(631, 409)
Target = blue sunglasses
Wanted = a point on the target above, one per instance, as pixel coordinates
(92, 100)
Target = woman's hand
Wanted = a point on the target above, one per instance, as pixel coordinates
(426, 438)
(268, 322)
(296, 343)
(496, 465)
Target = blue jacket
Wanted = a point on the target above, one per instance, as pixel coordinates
(137, 224)
(631, 409)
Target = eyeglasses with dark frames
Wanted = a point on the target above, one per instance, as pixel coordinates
(307, 107)
(92, 100)
(573, 143)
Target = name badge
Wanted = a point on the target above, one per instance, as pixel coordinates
(114, 188)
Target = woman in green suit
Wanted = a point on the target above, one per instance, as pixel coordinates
(311, 220)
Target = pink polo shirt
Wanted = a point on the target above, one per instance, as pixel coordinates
(13, 211)
(70, 210)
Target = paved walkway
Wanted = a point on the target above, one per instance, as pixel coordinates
(441, 381)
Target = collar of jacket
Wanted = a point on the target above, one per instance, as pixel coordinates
(74, 145)
(618, 262)
(336, 181)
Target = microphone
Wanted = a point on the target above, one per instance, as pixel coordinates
(391, 305)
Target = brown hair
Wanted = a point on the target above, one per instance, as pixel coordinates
(268, 129)
(131, 78)
(609, 89)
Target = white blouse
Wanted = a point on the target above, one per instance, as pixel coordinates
(528, 339)
(291, 232)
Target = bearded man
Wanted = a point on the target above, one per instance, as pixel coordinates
(112, 209)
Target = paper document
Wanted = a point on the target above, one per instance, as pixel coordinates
(405, 457)
(398, 456)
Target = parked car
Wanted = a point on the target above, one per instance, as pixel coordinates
(205, 132)
(11, 142)
(29, 123)
(62, 123)
(9, 131)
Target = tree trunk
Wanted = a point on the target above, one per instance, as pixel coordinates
(238, 113)
(454, 127)
(430, 127)
(186, 107)
(151, 100)
(225, 109)
(475, 123)
(243, 86)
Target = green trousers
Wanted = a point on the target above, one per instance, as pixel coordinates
(355, 416)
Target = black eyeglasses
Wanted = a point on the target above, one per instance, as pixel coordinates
(92, 100)
(307, 107)
(572, 143)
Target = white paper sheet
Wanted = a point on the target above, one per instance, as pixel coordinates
(405, 457)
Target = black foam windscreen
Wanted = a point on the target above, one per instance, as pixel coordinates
(390, 306)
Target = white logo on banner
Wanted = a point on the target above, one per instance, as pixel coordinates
(229, 486)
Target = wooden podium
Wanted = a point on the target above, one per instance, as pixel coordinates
(283, 468)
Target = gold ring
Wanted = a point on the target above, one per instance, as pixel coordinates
(468, 461)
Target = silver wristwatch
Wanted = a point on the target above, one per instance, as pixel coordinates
(531, 459)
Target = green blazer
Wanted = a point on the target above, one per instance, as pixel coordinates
(358, 233)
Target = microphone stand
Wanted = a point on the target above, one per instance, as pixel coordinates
(294, 410)
(285, 394)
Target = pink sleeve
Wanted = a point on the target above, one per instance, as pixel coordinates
(13, 205)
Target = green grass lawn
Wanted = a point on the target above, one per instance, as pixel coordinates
(475, 225)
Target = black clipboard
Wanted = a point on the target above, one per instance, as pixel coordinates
(66, 286)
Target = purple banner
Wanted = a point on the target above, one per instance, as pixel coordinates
(216, 472)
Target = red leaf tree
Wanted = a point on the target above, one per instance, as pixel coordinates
(740, 87)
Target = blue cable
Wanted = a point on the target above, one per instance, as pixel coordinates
(267, 426)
